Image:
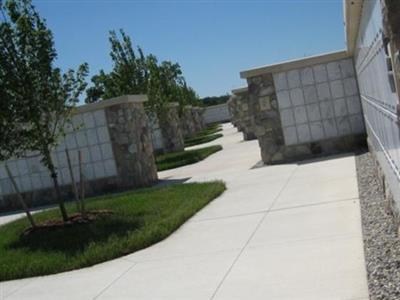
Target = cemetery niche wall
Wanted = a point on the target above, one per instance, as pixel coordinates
(117, 154)
(306, 107)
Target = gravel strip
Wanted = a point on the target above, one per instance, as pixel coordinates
(381, 244)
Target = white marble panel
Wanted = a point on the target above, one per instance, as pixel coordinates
(330, 128)
(280, 81)
(303, 133)
(323, 91)
(283, 99)
(313, 112)
(317, 131)
(337, 89)
(293, 77)
(287, 117)
(307, 77)
(320, 73)
(310, 94)
(290, 135)
(333, 70)
(340, 107)
(296, 96)
(300, 114)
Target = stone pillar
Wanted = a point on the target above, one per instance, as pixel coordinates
(197, 119)
(131, 141)
(232, 105)
(171, 129)
(243, 113)
(263, 107)
(187, 123)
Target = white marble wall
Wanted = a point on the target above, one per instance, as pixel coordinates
(87, 133)
(216, 113)
(319, 102)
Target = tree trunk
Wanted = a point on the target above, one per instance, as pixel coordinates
(20, 198)
(82, 186)
(54, 176)
(74, 188)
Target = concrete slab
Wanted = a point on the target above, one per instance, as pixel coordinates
(202, 237)
(81, 284)
(331, 220)
(312, 269)
(174, 279)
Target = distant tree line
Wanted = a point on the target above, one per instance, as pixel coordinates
(214, 100)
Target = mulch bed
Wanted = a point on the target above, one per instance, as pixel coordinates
(73, 220)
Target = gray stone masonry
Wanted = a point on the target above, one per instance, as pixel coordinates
(233, 110)
(197, 113)
(132, 145)
(243, 113)
(171, 130)
(187, 124)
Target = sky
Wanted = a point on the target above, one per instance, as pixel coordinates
(211, 40)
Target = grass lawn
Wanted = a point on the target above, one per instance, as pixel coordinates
(211, 129)
(201, 139)
(206, 135)
(138, 220)
(186, 157)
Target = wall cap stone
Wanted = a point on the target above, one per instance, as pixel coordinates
(296, 63)
(111, 102)
(240, 90)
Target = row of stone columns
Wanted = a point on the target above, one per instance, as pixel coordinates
(191, 120)
(172, 126)
(239, 108)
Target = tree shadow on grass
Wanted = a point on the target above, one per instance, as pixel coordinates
(73, 239)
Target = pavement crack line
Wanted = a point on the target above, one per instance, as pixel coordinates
(114, 281)
(273, 210)
(253, 233)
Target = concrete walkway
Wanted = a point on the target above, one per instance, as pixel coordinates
(289, 231)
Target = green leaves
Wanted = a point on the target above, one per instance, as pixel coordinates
(135, 73)
(36, 98)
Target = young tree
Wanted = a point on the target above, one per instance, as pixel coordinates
(36, 97)
(133, 73)
(129, 74)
